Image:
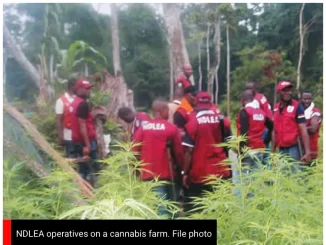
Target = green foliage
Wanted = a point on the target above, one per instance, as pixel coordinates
(144, 53)
(253, 61)
(114, 129)
(99, 98)
(120, 195)
(287, 212)
(26, 197)
(77, 56)
(44, 118)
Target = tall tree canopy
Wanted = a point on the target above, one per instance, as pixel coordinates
(256, 32)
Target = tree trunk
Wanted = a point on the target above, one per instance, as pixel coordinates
(42, 95)
(100, 138)
(199, 66)
(86, 70)
(228, 68)
(217, 39)
(302, 33)
(5, 59)
(176, 39)
(209, 85)
(51, 69)
(122, 91)
(171, 74)
(21, 59)
(115, 40)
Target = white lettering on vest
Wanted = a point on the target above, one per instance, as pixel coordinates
(154, 126)
(211, 119)
(258, 117)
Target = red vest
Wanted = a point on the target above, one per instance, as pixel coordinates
(204, 128)
(314, 137)
(66, 112)
(257, 118)
(285, 126)
(76, 136)
(154, 152)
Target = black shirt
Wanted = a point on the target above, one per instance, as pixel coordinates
(82, 110)
(179, 120)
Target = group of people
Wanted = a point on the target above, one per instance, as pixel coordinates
(178, 142)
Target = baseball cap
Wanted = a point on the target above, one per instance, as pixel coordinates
(203, 101)
(183, 83)
(283, 84)
(82, 83)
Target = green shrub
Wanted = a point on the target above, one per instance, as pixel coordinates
(289, 211)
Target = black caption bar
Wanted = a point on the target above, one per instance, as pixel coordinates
(103, 231)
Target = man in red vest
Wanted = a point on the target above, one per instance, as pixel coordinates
(137, 119)
(202, 157)
(157, 136)
(261, 100)
(251, 122)
(184, 81)
(289, 125)
(313, 121)
(83, 130)
(62, 109)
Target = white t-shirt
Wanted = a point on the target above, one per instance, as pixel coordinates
(59, 109)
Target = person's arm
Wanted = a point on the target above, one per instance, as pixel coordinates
(82, 114)
(180, 122)
(244, 127)
(59, 107)
(189, 143)
(138, 141)
(269, 125)
(266, 107)
(301, 121)
(306, 142)
(227, 128)
(314, 123)
(177, 148)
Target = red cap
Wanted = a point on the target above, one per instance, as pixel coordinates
(183, 82)
(203, 101)
(283, 84)
(83, 83)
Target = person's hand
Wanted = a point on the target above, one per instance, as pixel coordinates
(306, 158)
(87, 150)
(185, 181)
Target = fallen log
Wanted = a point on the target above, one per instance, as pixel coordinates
(85, 187)
(37, 168)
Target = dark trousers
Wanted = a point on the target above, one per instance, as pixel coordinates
(87, 170)
(194, 190)
(169, 192)
(69, 148)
